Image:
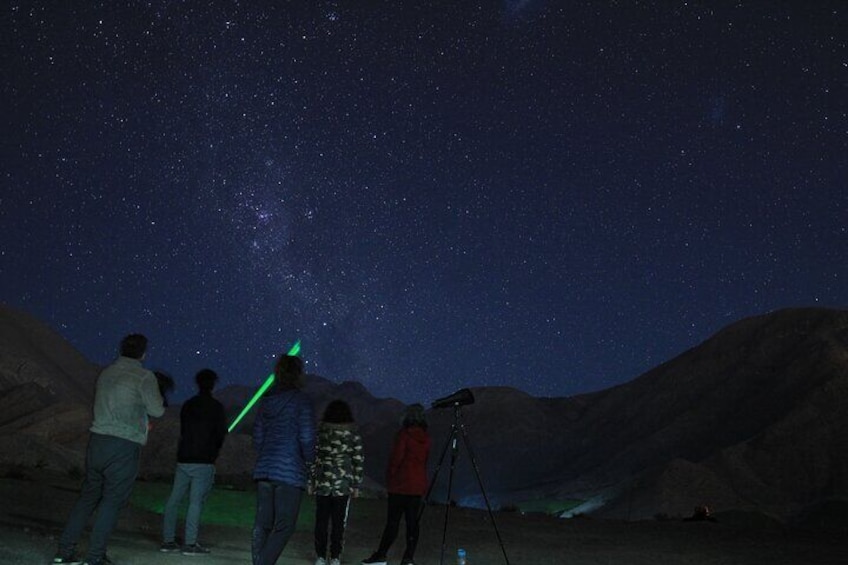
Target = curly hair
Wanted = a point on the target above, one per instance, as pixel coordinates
(338, 412)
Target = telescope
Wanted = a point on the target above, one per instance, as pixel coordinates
(460, 398)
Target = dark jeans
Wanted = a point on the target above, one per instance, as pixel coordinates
(330, 511)
(407, 506)
(111, 466)
(277, 506)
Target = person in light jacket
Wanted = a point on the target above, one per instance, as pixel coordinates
(125, 396)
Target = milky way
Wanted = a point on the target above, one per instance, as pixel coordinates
(430, 195)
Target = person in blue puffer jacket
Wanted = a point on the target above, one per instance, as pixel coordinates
(284, 439)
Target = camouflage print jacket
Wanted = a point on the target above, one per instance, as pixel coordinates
(339, 460)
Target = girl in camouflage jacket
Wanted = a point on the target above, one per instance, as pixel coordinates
(335, 478)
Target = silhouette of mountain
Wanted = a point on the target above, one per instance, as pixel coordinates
(754, 418)
(30, 352)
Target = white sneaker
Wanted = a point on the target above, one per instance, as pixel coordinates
(320, 561)
(335, 561)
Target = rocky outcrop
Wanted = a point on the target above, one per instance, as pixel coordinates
(30, 352)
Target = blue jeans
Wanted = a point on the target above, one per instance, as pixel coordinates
(196, 479)
(277, 506)
(111, 466)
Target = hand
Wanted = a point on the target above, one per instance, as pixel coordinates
(354, 493)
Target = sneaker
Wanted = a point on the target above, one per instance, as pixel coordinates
(67, 559)
(375, 560)
(335, 561)
(320, 561)
(169, 547)
(102, 561)
(194, 549)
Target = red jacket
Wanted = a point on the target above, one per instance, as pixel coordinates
(407, 472)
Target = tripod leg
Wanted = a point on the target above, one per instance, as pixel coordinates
(482, 490)
(454, 450)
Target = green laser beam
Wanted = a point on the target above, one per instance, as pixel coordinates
(295, 349)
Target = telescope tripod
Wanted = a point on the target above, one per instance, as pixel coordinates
(457, 429)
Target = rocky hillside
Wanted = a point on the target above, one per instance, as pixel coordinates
(755, 417)
(30, 352)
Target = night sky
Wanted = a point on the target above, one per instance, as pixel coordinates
(551, 195)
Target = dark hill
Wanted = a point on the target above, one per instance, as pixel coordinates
(30, 352)
(754, 419)
(761, 407)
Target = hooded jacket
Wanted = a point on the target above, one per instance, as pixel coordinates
(284, 438)
(339, 460)
(407, 471)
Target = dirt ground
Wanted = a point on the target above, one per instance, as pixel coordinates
(35, 505)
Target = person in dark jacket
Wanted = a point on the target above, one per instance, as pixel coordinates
(336, 478)
(203, 427)
(284, 439)
(406, 483)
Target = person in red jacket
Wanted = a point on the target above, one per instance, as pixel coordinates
(406, 483)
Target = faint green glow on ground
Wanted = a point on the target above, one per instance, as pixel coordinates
(224, 507)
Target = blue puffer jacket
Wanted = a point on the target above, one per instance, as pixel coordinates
(284, 438)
